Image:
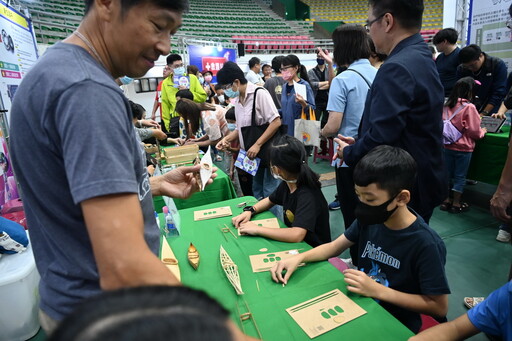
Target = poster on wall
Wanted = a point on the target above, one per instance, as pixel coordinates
(210, 58)
(8, 189)
(487, 27)
(18, 51)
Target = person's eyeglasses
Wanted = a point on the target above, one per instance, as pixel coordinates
(509, 24)
(370, 23)
(284, 68)
(227, 86)
(176, 66)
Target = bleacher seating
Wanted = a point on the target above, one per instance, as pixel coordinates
(355, 12)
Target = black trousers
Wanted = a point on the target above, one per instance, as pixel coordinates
(348, 202)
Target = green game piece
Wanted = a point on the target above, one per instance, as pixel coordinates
(332, 312)
(325, 315)
(265, 260)
(272, 259)
(338, 309)
(271, 255)
(278, 259)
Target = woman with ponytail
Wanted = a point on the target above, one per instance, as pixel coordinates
(304, 207)
(292, 104)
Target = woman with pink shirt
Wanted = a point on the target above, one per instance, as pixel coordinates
(457, 155)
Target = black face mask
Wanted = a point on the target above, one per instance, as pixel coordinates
(371, 215)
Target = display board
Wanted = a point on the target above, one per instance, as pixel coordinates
(487, 27)
(18, 52)
(211, 58)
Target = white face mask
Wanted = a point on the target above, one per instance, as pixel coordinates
(221, 98)
(278, 177)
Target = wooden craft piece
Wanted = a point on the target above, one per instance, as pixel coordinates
(170, 260)
(226, 229)
(271, 223)
(151, 148)
(247, 316)
(231, 271)
(181, 154)
(206, 168)
(193, 256)
(325, 312)
(264, 262)
(212, 213)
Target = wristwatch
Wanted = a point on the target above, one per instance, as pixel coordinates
(250, 209)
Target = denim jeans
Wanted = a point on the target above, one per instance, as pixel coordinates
(264, 184)
(457, 165)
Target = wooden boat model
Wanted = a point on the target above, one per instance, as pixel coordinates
(193, 256)
(231, 270)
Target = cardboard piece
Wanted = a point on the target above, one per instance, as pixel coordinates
(265, 261)
(206, 168)
(271, 223)
(170, 260)
(181, 154)
(212, 213)
(325, 312)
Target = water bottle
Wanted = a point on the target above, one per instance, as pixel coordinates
(170, 228)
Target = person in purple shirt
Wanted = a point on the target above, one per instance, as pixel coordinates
(404, 105)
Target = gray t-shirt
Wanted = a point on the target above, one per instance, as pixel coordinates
(72, 139)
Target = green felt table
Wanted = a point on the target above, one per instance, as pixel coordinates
(489, 157)
(221, 189)
(268, 304)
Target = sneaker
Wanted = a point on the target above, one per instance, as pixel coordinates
(471, 182)
(503, 236)
(349, 263)
(335, 205)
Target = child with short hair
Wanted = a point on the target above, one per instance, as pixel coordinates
(401, 259)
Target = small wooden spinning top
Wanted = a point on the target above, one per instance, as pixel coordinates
(193, 256)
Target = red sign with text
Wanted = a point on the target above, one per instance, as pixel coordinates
(213, 64)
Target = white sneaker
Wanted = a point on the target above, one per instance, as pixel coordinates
(503, 236)
(349, 263)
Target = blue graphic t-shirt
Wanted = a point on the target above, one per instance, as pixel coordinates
(410, 260)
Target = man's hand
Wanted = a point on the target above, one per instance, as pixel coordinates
(289, 265)
(149, 123)
(182, 87)
(253, 151)
(358, 282)
(500, 115)
(499, 203)
(325, 55)
(249, 228)
(242, 218)
(179, 183)
(342, 142)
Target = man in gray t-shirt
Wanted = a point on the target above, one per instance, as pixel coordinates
(86, 191)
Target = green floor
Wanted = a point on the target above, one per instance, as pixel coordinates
(476, 264)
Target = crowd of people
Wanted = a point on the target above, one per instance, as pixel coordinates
(394, 164)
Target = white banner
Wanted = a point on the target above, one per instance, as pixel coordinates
(487, 28)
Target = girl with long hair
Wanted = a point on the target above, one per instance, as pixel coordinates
(304, 207)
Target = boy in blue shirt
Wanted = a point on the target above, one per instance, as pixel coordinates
(492, 316)
(401, 259)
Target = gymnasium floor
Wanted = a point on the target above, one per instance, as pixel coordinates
(476, 264)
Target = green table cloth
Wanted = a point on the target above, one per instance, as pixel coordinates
(268, 304)
(489, 157)
(221, 189)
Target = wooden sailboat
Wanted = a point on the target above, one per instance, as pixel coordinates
(193, 256)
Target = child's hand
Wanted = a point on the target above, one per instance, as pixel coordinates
(289, 264)
(242, 218)
(359, 283)
(249, 228)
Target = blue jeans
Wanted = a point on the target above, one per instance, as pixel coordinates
(264, 184)
(457, 165)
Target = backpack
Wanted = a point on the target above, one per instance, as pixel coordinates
(450, 133)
